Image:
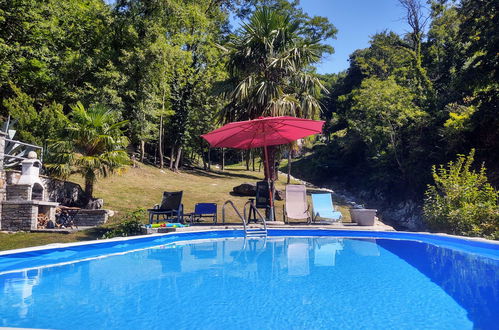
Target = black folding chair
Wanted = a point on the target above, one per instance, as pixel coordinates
(171, 208)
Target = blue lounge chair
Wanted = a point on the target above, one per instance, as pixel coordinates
(323, 208)
(204, 210)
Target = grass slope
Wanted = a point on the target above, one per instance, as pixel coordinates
(143, 187)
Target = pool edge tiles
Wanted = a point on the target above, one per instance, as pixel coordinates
(30, 258)
(55, 246)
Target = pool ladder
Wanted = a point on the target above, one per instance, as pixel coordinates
(248, 232)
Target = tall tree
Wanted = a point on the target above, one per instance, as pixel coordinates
(418, 19)
(381, 112)
(480, 76)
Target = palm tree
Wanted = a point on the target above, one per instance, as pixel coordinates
(268, 67)
(94, 146)
(269, 71)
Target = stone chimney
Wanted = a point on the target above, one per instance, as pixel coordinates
(29, 186)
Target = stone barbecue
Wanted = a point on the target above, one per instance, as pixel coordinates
(26, 201)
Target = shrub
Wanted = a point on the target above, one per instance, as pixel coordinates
(130, 226)
(461, 201)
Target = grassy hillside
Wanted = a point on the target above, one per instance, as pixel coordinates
(143, 187)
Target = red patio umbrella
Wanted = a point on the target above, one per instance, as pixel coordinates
(263, 132)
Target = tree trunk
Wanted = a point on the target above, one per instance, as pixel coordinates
(177, 160)
(142, 150)
(209, 159)
(223, 159)
(172, 153)
(270, 172)
(290, 152)
(205, 163)
(160, 142)
(248, 157)
(89, 185)
(253, 159)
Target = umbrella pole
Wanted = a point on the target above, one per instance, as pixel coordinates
(271, 216)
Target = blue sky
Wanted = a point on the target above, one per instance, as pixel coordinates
(355, 20)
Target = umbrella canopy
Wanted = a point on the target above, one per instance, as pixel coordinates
(262, 132)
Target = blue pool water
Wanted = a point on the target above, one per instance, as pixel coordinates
(281, 282)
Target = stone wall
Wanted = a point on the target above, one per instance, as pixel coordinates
(91, 217)
(18, 216)
(19, 192)
(23, 215)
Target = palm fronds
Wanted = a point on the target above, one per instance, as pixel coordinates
(94, 146)
(268, 64)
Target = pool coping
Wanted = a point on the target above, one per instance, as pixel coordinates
(364, 233)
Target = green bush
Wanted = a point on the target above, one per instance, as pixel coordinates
(461, 201)
(130, 226)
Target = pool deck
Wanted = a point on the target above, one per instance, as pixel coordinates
(378, 226)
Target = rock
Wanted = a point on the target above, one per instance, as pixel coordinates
(95, 204)
(65, 192)
(407, 214)
(249, 189)
(245, 189)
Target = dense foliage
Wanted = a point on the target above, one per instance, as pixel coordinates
(130, 225)
(158, 64)
(461, 201)
(408, 102)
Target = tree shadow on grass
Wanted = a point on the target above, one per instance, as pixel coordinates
(221, 175)
(241, 195)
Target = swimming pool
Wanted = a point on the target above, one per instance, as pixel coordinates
(292, 279)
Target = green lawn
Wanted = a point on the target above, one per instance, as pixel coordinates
(143, 187)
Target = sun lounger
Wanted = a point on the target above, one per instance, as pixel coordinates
(323, 208)
(296, 206)
(171, 208)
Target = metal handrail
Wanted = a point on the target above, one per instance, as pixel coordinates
(24, 144)
(252, 206)
(235, 209)
(18, 144)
